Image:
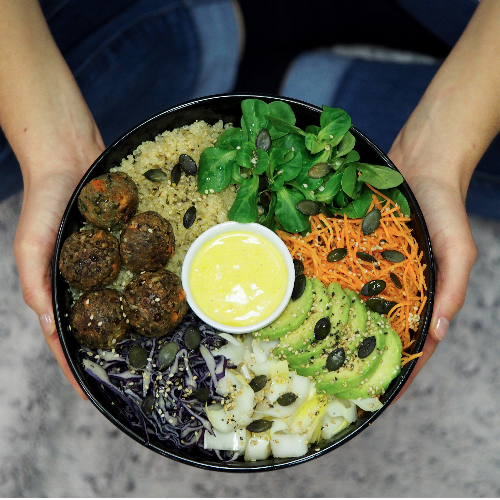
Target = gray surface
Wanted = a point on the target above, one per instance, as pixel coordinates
(441, 439)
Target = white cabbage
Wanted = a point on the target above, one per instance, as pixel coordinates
(227, 441)
(289, 445)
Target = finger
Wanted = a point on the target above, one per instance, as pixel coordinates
(455, 253)
(48, 328)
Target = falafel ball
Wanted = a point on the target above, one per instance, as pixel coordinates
(97, 319)
(90, 259)
(109, 200)
(147, 242)
(155, 303)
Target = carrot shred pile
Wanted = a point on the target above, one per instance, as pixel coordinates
(352, 272)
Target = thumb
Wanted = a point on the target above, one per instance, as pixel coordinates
(33, 248)
(455, 253)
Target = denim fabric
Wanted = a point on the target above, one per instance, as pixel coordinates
(133, 62)
(445, 18)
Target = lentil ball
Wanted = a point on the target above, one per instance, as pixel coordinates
(147, 242)
(97, 319)
(109, 200)
(90, 259)
(155, 303)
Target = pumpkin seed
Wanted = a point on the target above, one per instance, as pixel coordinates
(393, 256)
(265, 199)
(148, 404)
(175, 175)
(371, 221)
(335, 359)
(319, 170)
(299, 286)
(373, 287)
(287, 399)
(188, 164)
(167, 354)
(366, 347)
(189, 217)
(322, 329)
(201, 394)
(336, 254)
(396, 281)
(380, 305)
(263, 140)
(258, 383)
(259, 425)
(298, 266)
(308, 207)
(138, 357)
(263, 182)
(366, 257)
(155, 175)
(192, 337)
(326, 211)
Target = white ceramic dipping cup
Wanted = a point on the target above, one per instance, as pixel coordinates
(227, 227)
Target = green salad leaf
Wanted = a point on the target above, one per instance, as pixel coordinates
(274, 177)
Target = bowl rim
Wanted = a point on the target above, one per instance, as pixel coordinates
(219, 230)
(179, 455)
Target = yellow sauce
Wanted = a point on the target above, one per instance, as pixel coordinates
(238, 278)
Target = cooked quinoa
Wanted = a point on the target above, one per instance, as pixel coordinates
(172, 201)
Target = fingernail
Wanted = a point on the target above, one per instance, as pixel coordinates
(47, 324)
(441, 328)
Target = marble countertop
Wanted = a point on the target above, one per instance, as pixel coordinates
(442, 439)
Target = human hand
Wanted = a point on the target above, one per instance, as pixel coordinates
(441, 197)
(46, 194)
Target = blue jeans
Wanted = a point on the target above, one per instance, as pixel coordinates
(136, 57)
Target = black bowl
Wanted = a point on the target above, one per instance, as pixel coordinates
(212, 109)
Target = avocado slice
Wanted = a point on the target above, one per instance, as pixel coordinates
(356, 325)
(294, 314)
(339, 315)
(388, 368)
(298, 340)
(354, 369)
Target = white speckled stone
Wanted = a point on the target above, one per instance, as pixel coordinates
(442, 439)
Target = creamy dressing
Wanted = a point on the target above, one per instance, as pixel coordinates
(238, 278)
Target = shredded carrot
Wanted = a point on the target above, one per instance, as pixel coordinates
(352, 272)
(406, 359)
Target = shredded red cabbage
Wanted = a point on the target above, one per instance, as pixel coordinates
(161, 402)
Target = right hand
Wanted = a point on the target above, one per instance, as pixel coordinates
(441, 197)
